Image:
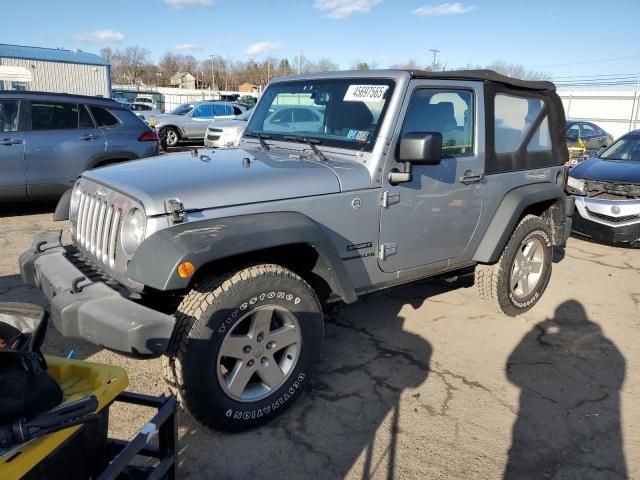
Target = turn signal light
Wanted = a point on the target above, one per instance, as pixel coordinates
(186, 269)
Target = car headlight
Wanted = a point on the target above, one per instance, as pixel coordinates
(133, 227)
(576, 183)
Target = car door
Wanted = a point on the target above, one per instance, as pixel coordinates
(432, 218)
(200, 118)
(590, 136)
(59, 145)
(12, 181)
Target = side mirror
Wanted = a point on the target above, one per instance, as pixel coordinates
(419, 148)
(573, 138)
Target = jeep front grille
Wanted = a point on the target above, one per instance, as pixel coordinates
(97, 227)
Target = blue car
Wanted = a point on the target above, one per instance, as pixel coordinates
(48, 139)
(607, 192)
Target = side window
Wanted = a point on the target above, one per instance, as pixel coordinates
(541, 140)
(103, 117)
(237, 111)
(304, 115)
(84, 119)
(204, 110)
(449, 112)
(8, 115)
(574, 131)
(53, 115)
(588, 131)
(513, 118)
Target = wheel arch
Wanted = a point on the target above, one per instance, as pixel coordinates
(289, 239)
(546, 200)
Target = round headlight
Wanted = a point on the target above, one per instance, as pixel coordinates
(133, 226)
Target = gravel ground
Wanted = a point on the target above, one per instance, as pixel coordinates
(425, 382)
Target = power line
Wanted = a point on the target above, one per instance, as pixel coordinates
(587, 62)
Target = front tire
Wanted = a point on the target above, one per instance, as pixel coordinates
(171, 137)
(516, 282)
(244, 346)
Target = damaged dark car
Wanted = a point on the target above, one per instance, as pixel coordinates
(607, 192)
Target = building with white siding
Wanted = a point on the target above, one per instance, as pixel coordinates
(53, 70)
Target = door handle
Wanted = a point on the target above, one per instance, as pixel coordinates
(471, 177)
(88, 136)
(10, 141)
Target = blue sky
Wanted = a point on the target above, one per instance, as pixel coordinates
(561, 37)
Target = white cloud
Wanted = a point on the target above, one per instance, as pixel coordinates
(444, 9)
(260, 48)
(344, 8)
(187, 47)
(188, 3)
(100, 36)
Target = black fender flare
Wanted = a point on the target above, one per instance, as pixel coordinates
(509, 212)
(155, 262)
(106, 157)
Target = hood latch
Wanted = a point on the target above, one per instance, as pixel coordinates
(174, 207)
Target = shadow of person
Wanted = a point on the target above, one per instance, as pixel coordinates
(568, 425)
(350, 420)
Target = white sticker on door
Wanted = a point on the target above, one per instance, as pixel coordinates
(365, 93)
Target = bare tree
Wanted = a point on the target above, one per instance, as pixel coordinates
(517, 71)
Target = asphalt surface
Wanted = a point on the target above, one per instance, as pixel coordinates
(425, 382)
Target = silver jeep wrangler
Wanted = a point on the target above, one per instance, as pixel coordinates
(222, 260)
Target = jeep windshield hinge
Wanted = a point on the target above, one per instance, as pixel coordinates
(174, 207)
(389, 198)
(387, 249)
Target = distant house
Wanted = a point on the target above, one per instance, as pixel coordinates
(183, 80)
(248, 88)
(53, 70)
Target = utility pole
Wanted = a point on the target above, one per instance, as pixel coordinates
(226, 72)
(299, 60)
(213, 78)
(435, 57)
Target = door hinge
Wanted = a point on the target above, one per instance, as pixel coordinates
(389, 199)
(387, 249)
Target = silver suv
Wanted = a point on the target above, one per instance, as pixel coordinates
(189, 121)
(222, 261)
(47, 140)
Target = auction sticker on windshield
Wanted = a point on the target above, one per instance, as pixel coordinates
(365, 93)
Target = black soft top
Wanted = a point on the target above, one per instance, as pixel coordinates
(485, 76)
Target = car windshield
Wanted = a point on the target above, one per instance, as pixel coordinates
(182, 109)
(626, 148)
(343, 112)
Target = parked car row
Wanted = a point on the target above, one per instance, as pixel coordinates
(584, 139)
(47, 140)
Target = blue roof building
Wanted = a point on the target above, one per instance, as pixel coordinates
(54, 70)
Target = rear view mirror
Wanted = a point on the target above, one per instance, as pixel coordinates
(420, 148)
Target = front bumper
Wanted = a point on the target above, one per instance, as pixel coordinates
(92, 311)
(613, 222)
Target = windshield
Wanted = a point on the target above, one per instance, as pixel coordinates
(182, 109)
(626, 148)
(343, 112)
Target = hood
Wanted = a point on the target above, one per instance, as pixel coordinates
(168, 118)
(621, 171)
(227, 123)
(220, 178)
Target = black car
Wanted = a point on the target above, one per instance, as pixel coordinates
(607, 192)
(591, 134)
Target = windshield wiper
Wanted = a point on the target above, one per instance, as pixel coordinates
(309, 141)
(261, 138)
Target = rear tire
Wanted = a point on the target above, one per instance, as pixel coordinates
(261, 327)
(516, 282)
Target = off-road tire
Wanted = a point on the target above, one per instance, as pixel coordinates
(210, 310)
(493, 281)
